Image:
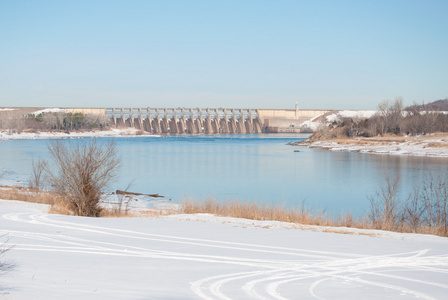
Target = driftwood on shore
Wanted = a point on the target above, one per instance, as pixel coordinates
(119, 192)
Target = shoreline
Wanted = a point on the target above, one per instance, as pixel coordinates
(431, 145)
(113, 132)
(43, 135)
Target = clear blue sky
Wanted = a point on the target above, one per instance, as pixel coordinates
(267, 54)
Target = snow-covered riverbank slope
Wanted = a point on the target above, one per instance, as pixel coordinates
(434, 145)
(205, 257)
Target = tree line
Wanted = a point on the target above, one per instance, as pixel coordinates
(391, 118)
(52, 121)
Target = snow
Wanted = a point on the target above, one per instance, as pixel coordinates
(360, 114)
(312, 123)
(49, 110)
(208, 257)
(316, 122)
(6, 109)
(420, 146)
(114, 132)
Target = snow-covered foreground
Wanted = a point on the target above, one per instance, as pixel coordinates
(189, 257)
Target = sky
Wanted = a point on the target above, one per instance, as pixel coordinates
(242, 54)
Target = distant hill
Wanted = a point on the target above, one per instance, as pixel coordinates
(435, 105)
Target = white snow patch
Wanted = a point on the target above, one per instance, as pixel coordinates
(359, 114)
(207, 257)
(312, 123)
(316, 122)
(6, 109)
(48, 110)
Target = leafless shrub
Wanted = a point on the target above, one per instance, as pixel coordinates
(413, 211)
(4, 247)
(385, 205)
(434, 200)
(424, 211)
(80, 172)
(37, 174)
(124, 201)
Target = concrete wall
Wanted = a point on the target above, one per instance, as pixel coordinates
(277, 113)
(290, 113)
(287, 120)
(90, 111)
(311, 113)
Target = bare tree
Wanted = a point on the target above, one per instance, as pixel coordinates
(37, 174)
(97, 121)
(81, 171)
(11, 122)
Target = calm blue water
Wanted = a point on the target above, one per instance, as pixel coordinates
(258, 168)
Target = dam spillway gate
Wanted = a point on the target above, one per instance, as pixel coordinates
(187, 120)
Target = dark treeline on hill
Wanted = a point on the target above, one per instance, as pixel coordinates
(392, 118)
(439, 105)
(52, 121)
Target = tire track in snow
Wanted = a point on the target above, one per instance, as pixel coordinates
(411, 261)
(44, 220)
(264, 283)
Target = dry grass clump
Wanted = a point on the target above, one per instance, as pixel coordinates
(436, 145)
(58, 205)
(61, 207)
(28, 195)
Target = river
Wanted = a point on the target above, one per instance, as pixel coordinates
(258, 168)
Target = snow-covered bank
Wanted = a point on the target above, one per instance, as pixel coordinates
(327, 119)
(65, 257)
(428, 145)
(49, 110)
(114, 132)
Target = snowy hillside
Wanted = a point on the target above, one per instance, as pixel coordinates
(204, 257)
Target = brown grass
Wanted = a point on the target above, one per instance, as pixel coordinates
(255, 211)
(235, 209)
(28, 195)
(299, 215)
(60, 207)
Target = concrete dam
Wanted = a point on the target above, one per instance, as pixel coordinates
(208, 120)
(187, 120)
